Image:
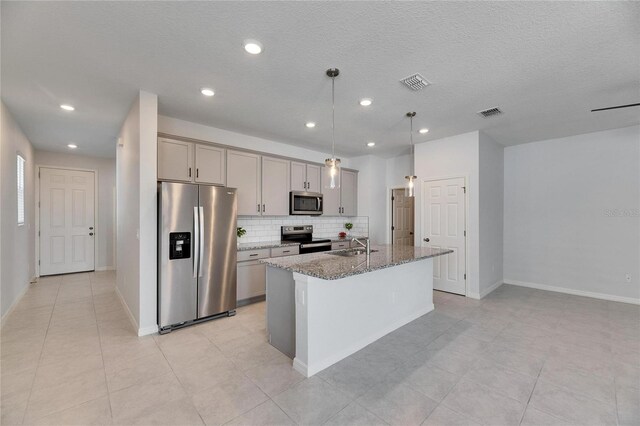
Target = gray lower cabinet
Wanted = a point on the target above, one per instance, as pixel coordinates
(252, 273)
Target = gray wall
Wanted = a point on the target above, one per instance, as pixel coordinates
(491, 210)
(560, 230)
(17, 248)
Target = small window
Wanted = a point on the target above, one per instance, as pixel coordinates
(20, 181)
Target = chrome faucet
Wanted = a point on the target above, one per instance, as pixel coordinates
(366, 245)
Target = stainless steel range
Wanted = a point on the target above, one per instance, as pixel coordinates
(304, 235)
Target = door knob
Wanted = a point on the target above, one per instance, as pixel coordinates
(426, 240)
(91, 228)
(91, 234)
(410, 233)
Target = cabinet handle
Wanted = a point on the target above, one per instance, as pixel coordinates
(286, 251)
(254, 254)
(263, 209)
(189, 171)
(258, 208)
(197, 172)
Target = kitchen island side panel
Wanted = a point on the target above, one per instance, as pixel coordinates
(336, 318)
(281, 315)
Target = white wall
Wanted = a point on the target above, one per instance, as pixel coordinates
(177, 127)
(456, 156)
(137, 212)
(371, 194)
(491, 203)
(105, 225)
(17, 246)
(558, 227)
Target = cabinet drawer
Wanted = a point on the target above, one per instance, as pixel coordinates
(340, 245)
(253, 254)
(285, 251)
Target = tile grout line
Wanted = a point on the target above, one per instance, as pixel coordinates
(104, 369)
(35, 374)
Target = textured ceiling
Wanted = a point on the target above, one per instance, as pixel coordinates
(545, 64)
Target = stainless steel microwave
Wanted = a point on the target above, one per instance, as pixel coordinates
(305, 203)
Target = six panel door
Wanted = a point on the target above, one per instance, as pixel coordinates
(67, 223)
(443, 212)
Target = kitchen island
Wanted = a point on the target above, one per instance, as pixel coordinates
(323, 307)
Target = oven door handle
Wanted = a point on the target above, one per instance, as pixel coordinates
(315, 245)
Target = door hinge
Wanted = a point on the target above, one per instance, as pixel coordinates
(465, 233)
(393, 198)
(38, 233)
(38, 174)
(464, 188)
(38, 263)
(465, 276)
(393, 228)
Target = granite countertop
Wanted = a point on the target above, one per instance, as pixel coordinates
(264, 245)
(329, 266)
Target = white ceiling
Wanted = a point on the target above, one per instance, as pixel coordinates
(545, 64)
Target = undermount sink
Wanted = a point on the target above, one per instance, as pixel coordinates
(351, 252)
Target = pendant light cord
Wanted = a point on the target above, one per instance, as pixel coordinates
(333, 117)
(413, 155)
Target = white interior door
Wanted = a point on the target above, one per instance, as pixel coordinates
(444, 222)
(402, 218)
(67, 222)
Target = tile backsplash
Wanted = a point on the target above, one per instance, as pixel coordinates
(267, 228)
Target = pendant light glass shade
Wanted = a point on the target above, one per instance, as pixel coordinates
(332, 181)
(411, 179)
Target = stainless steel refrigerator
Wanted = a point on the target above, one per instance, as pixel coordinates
(197, 253)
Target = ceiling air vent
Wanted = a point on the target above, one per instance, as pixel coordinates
(490, 112)
(415, 82)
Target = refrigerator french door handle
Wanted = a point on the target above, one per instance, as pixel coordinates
(201, 236)
(196, 241)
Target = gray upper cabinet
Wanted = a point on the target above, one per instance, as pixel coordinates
(349, 192)
(275, 186)
(331, 197)
(210, 165)
(298, 176)
(305, 177)
(243, 173)
(175, 160)
(313, 178)
(341, 201)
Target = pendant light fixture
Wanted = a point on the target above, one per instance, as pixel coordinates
(411, 179)
(333, 163)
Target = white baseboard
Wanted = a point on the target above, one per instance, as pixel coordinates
(105, 268)
(602, 296)
(144, 331)
(487, 291)
(15, 303)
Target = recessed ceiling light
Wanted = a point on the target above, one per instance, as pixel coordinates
(72, 146)
(310, 124)
(366, 102)
(253, 46)
(67, 107)
(207, 92)
(423, 131)
(370, 144)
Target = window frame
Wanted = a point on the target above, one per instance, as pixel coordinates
(21, 189)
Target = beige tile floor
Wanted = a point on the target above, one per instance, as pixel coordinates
(520, 356)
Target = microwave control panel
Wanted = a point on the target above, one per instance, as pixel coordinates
(179, 245)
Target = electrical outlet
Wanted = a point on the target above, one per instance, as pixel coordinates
(628, 278)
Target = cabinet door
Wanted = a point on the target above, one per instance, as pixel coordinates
(298, 176)
(251, 279)
(313, 178)
(331, 197)
(349, 193)
(243, 173)
(175, 160)
(210, 164)
(275, 186)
